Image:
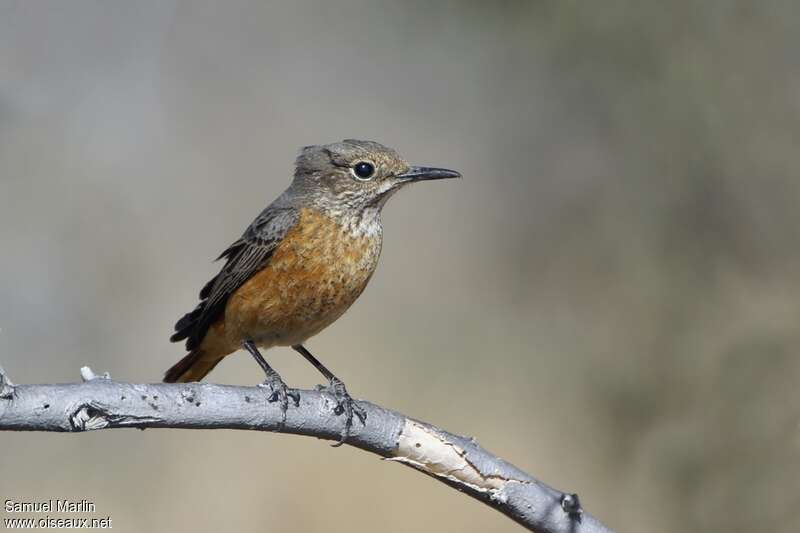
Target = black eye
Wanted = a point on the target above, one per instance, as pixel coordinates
(363, 170)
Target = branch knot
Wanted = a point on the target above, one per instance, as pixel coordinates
(6, 386)
(92, 415)
(572, 506)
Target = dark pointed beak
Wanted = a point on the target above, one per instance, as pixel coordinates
(428, 173)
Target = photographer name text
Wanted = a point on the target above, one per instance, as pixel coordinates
(49, 506)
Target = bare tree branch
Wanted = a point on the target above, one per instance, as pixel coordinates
(100, 403)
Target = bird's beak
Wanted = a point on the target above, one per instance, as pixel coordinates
(427, 173)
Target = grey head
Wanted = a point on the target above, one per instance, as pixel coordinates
(355, 176)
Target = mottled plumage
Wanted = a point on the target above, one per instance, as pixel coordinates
(244, 258)
(302, 262)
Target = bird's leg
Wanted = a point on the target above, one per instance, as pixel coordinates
(344, 402)
(280, 392)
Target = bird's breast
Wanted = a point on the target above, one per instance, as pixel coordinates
(317, 271)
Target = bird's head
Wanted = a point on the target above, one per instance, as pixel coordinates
(359, 175)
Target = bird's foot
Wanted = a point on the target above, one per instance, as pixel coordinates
(279, 392)
(346, 405)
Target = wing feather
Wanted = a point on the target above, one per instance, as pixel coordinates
(243, 258)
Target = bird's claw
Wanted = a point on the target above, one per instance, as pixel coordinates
(346, 405)
(279, 392)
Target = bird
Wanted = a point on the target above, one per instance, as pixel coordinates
(299, 266)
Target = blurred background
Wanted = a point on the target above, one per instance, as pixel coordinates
(609, 299)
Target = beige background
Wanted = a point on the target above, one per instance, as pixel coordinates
(609, 298)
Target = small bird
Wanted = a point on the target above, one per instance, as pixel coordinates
(299, 266)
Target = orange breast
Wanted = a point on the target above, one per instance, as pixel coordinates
(314, 275)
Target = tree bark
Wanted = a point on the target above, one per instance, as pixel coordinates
(101, 403)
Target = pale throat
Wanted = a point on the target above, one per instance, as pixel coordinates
(363, 223)
(350, 212)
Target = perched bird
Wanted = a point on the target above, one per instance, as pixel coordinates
(299, 266)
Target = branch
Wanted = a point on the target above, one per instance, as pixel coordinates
(100, 403)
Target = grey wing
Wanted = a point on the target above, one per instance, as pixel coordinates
(243, 258)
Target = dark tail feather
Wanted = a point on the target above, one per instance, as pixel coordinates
(193, 367)
(186, 325)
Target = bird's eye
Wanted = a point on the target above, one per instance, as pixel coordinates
(363, 170)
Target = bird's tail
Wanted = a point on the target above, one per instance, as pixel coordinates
(193, 367)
